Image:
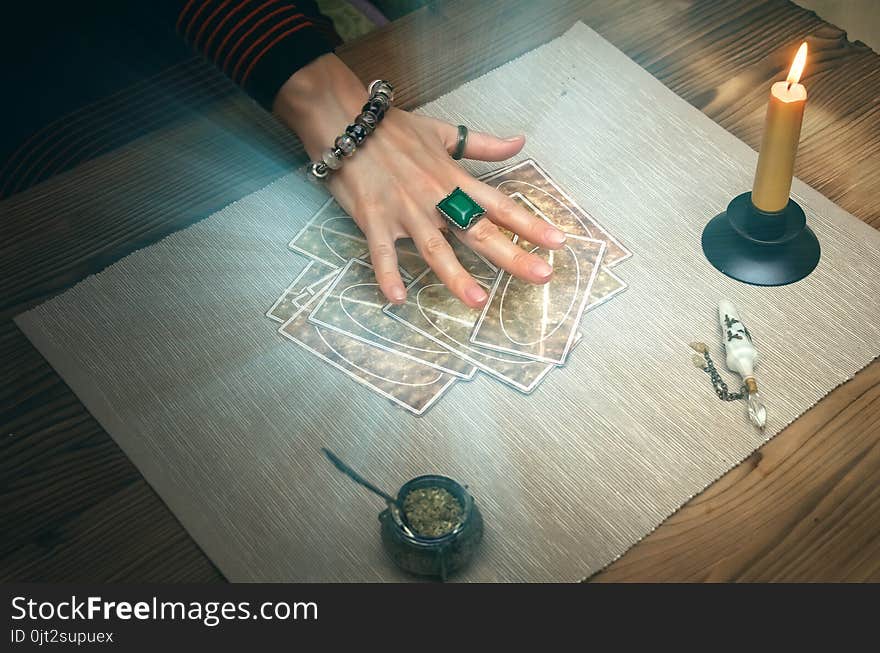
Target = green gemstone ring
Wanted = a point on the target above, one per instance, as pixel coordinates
(460, 209)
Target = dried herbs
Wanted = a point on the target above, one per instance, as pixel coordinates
(432, 511)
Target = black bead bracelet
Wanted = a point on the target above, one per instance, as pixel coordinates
(381, 97)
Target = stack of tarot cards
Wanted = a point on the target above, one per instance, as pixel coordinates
(412, 353)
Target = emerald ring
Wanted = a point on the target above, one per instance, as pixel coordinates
(460, 209)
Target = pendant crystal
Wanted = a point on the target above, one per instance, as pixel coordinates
(757, 410)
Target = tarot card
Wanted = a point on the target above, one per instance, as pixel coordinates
(540, 322)
(529, 179)
(333, 238)
(478, 267)
(313, 275)
(414, 386)
(433, 310)
(605, 286)
(352, 305)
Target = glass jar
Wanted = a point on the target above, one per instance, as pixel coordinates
(437, 557)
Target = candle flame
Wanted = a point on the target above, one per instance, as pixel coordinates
(797, 66)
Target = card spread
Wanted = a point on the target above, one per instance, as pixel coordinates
(414, 386)
(352, 305)
(413, 353)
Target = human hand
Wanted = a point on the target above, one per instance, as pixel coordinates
(393, 182)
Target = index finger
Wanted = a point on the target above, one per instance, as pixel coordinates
(438, 254)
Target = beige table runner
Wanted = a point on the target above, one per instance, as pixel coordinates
(170, 351)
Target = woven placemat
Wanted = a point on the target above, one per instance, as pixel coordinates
(170, 351)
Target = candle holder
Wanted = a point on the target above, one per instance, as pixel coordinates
(761, 248)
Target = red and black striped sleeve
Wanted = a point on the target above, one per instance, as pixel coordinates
(259, 44)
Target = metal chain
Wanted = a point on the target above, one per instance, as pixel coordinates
(718, 383)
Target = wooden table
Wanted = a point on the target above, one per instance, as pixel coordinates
(806, 506)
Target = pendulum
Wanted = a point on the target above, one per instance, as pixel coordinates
(741, 358)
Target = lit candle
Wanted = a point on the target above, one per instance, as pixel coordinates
(782, 131)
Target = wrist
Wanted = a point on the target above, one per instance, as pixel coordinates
(319, 100)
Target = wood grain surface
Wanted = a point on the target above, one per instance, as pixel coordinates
(806, 506)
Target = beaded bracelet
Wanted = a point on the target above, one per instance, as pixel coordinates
(381, 97)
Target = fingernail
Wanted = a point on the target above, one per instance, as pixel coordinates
(398, 294)
(476, 295)
(511, 139)
(541, 269)
(554, 236)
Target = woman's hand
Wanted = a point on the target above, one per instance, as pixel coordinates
(392, 183)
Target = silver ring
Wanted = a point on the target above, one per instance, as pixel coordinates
(461, 143)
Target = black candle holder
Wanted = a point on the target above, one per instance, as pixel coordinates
(761, 248)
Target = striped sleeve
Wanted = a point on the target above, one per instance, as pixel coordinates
(259, 44)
